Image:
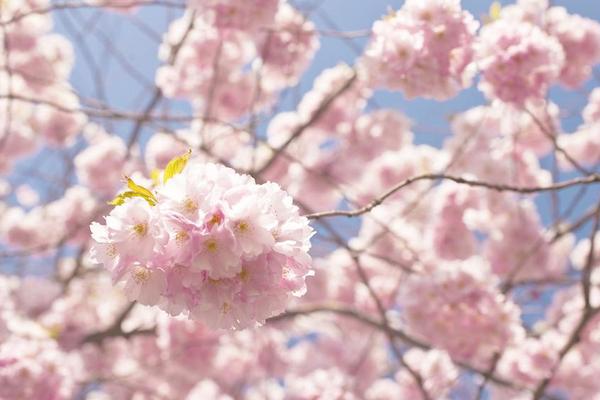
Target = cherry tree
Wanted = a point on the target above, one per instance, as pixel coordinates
(241, 235)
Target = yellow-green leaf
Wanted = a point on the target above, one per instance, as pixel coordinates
(118, 200)
(495, 10)
(135, 191)
(493, 13)
(155, 176)
(176, 165)
(53, 331)
(139, 188)
(121, 197)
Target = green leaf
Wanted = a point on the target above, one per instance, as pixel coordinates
(176, 165)
(121, 197)
(135, 191)
(155, 176)
(139, 189)
(495, 10)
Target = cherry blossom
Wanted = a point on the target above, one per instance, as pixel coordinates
(34, 369)
(580, 39)
(435, 366)
(531, 61)
(204, 241)
(584, 144)
(424, 49)
(236, 14)
(471, 304)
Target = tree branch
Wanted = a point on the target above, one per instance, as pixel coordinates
(591, 179)
(301, 128)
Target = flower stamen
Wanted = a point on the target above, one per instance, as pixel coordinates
(141, 275)
(141, 229)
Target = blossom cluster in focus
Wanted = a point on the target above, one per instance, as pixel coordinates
(209, 242)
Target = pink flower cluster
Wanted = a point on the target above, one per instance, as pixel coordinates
(40, 63)
(490, 140)
(580, 39)
(100, 165)
(434, 365)
(451, 238)
(460, 297)
(518, 61)
(529, 361)
(331, 136)
(162, 148)
(584, 144)
(211, 243)
(237, 14)
(287, 49)
(32, 366)
(34, 369)
(238, 55)
(44, 226)
(517, 247)
(330, 149)
(531, 47)
(424, 49)
(346, 106)
(516, 244)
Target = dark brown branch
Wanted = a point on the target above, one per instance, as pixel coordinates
(552, 137)
(387, 329)
(586, 276)
(116, 329)
(591, 179)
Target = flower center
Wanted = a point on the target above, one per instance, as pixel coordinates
(54, 330)
(287, 274)
(181, 237)
(230, 11)
(390, 15)
(141, 229)
(190, 206)
(111, 251)
(215, 219)
(225, 308)
(244, 275)
(141, 275)
(211, 245)
(243, 226)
